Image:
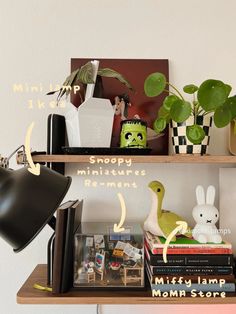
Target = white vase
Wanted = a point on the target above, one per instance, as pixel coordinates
(91, 124)
(72, 127)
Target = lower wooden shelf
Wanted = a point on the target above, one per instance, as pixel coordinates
(28, 295)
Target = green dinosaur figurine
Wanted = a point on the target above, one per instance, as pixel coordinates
(161, 222)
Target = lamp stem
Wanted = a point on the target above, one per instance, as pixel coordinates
(52, 223)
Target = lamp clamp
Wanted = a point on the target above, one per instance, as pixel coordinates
(21, 158)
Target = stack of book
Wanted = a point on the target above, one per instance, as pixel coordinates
(192, 267)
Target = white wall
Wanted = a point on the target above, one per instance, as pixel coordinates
(38, 38)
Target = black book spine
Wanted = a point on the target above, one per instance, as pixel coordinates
(50, 252)
(67, 272)
(192, 260)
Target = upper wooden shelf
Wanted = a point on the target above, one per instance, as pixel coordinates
(209, 159)
(28, 295)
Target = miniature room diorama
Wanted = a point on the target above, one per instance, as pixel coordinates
(104, 258)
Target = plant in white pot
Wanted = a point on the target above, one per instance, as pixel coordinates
(89, 125)
(190, 122)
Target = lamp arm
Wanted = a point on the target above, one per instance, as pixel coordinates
(21, 157)
(15, 151)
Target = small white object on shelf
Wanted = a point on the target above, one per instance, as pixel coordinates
(91, 124)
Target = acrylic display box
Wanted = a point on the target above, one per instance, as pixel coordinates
(103, 258)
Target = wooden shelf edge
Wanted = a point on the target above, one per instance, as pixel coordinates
(28, 295)
(129, 301)
(211, 159)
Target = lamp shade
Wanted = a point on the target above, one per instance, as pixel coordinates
(28, 202)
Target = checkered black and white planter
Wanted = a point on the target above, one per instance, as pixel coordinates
(180, 141)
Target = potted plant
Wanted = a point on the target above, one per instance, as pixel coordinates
(89, 125)
(190, 121)
(85, 75)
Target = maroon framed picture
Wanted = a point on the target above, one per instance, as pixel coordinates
(138, 105)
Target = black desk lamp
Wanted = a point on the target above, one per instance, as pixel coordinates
(28, 203)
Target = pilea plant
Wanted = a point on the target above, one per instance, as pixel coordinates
(210, 98)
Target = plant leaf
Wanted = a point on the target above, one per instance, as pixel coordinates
(195, 134)
(212, 94)
(106, 72)
(69, 80)
(67, 85)
(168, 102)
(190, 89)
(163, 113)
(180, 110)
(159, 125)
(53, 92)
(222, 116)
(85, 74)
(231, 104)
(228, 89)
(154, 84)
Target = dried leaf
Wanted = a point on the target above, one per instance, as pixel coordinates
(69, 83)
(106, 72)
(53, 92)
(85, 74)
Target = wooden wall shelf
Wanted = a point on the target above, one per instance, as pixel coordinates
(209, 159)
(28, 295)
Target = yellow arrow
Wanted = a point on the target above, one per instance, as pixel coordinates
(182, 228)
(34, 169)
(118, 228)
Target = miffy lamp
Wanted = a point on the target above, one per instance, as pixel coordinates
(206, 216)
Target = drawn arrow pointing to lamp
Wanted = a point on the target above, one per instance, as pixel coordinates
(118, 228)
(34, 169)
(182, 228)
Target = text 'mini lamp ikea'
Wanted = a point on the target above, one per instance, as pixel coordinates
(28, 202)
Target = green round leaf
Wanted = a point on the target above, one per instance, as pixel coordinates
(168, 102)
(195, 134)
(190, 89)
(180, 110)
(163, 113)
(228, 89)
(159, 125)
(154, 84)
(231, 104)
(212, 94)
(222, 116)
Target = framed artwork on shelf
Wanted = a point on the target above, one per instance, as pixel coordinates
(135, 103)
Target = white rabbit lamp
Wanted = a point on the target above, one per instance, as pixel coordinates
(206, 215)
